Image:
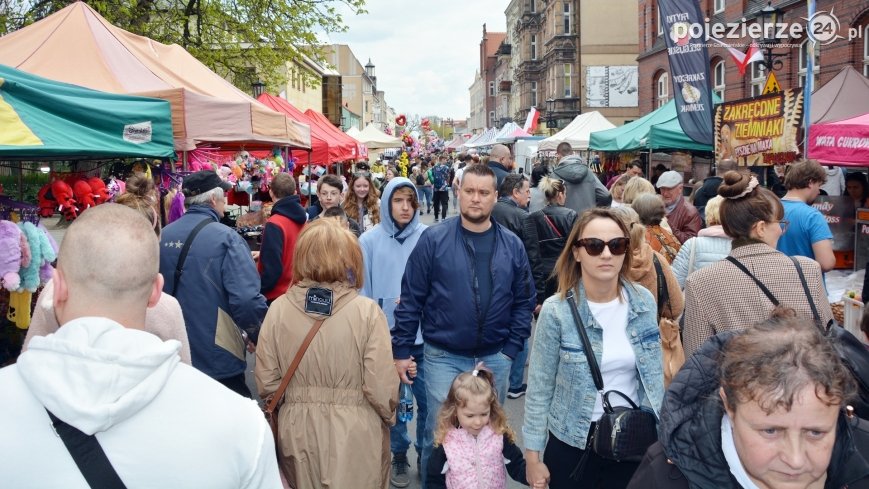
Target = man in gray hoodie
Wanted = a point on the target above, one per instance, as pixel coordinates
(582, 187)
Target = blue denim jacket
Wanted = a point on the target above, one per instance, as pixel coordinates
(561, 392)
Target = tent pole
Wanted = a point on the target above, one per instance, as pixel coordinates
(310, 176)
(184, 160)
(21, 181)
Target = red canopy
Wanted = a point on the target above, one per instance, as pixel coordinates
(844, 143)
(325, 148)
(321, 121)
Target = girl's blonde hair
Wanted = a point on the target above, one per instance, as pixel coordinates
(372, 201)
(636, 186)
(551, 187)
(713, 210)
(467, 385)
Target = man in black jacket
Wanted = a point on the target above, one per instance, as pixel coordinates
(510, 211)
(710, 186)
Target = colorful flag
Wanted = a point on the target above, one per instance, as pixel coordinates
(752, 54)
(531, 121)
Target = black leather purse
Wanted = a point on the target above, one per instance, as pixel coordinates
(622, 434)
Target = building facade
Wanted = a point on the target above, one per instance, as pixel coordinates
(572, 57)
(490, 46)
(359, 92)
(477, 121)
(656, 86)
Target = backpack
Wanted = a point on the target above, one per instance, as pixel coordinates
(420, 180)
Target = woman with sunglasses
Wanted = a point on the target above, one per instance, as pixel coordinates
(722, 297)
(620, 319)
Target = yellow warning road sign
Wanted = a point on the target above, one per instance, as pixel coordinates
(772, 85)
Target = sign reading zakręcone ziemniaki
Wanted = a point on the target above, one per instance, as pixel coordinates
(761, 130)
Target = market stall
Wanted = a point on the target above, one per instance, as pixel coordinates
(842, 143)
(578, 132)
(845, 96)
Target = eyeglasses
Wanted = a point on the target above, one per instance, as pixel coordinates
(594, 246)
(784, 225)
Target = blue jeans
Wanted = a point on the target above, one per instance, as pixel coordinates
(441, 369)
(399, 440)
(426, 193)
(517, 371)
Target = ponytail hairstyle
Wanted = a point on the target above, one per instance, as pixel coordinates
(141, 195)
(467, 385)
(551, 187)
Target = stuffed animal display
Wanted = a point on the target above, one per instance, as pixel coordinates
(26, 254)
(73, 195)
(10, 259)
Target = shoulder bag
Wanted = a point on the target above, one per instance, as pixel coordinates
(622, 434)
(851, 351)
(88, 455)
(182, 257)
(273, 402)
(671, 342)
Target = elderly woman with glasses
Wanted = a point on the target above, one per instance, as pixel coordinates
(728, 295)
(619, 317)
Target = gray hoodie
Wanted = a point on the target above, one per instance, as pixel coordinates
(582, 187)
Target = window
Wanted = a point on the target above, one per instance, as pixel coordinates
(660, 25)
(533, 6)
(663, 89)
(533, 46)
(293, 78)
(366, 106)
(566, 17)
(534, 94)
(866, 51)
(492, 118)
(804, 61)
(718, 72)
(719, 6)
(758, 79)
(568, 80)
(491, 89)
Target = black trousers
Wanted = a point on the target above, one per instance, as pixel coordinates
(442, 202)
(562, 459)
(237, 384)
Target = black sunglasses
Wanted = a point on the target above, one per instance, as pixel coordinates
(594, 246)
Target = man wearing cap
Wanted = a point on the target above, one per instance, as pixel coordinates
(683, 218)
(208, 268)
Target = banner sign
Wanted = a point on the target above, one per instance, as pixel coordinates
(760, 130)
(689, 67)
(839, 211)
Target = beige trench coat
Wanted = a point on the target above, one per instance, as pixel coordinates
(334, 423)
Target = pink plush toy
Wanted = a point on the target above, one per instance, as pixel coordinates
(10, 258)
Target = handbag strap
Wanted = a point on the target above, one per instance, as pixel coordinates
(763, 288)
(586, 344)
(552, 225)
(663, 292)
(88, 455)
(808, 293)
(279, 394)
(179, 268)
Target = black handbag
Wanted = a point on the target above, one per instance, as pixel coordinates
(623, 433)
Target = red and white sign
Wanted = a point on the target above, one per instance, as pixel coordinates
(843, 143)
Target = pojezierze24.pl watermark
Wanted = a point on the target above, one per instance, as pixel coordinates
(823, 28)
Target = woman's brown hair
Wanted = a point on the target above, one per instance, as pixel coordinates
(744, 206)
(466, 385)
(328, 252)
(650, 208)
(372, 200)
(772, 361)
(567, 270)
(140, 195)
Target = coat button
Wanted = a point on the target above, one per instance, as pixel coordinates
(634, 334)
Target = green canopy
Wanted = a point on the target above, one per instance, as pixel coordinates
(42, 119)
(658, 129)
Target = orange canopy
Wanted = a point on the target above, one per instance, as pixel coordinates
(76, 45)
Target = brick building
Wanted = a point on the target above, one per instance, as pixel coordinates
(656, 87)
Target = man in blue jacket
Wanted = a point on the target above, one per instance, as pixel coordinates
(468, 285)
(217, 284)
(385, 250)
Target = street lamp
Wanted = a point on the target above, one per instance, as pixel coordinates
(769, 18)
(258, 88)
(550, 114)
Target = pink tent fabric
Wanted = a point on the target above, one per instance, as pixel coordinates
(325, 147)
(844, 143)
(76, 45)
(324, 123)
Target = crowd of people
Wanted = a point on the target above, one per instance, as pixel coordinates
(139, 344)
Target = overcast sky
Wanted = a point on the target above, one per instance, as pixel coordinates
(425, 52)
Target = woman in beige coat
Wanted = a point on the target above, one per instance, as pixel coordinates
(334, 423)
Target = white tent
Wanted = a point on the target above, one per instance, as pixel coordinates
(376, 139)
(578, 132)
(485, 139)
(353, 132)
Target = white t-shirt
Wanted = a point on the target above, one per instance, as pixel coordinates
(618, 364)
(458, 178)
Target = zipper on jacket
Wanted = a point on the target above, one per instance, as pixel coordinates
(473, 257)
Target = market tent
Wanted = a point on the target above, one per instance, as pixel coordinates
(577, 133)
(374, 138)
(505, 131)
(485, 139)
(353, 132)
(76, 45)
(320, 142)
(518, 133)
(350, 147)
(843, 97)
(457, 141)
(44, 119)
(844, 143)
(638, 134)
(473, 139)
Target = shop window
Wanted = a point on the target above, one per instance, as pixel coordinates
(534, 94)
(533, 46)
(758, 79)
(663, 89)
(718, 83)
(719, 6)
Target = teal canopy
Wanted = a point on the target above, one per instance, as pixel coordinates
(41, 119)
(658, 129)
